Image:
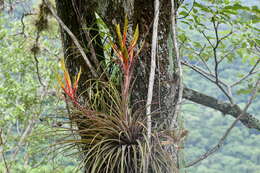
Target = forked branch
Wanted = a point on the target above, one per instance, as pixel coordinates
(221, 141)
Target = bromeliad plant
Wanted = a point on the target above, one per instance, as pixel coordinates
(126, 55)
(69, 88)
(112, 138)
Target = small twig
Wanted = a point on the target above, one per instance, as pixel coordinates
(23, 24)
(226, 36)
(18, 127)
(52, 53)
(229, 91)
(73, 37)
(188, 11)
(221, 141)
(203, 73)
(198, 70)
(251, 72)
(257, 47)
(224, 56)
(203, 61)
(3, 155)
(208, 77)
(215, 49)
(201, 58)
(225, 92)
(215, 26)
(35, 51)
(25, 134)
(207, 39)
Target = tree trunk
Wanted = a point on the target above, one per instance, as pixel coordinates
(80, 14)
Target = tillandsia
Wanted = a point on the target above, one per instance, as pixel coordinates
(126, 53)
(69, 88)
(112, 135)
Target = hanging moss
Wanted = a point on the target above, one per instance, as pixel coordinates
(35, 49)
(41, 22)
(44, 9)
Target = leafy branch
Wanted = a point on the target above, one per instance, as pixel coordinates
(188, 11)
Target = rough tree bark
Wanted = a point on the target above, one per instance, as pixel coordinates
(80, 14)
(139, 12)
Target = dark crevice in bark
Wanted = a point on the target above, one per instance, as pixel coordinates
(226, 108)
(67, 13)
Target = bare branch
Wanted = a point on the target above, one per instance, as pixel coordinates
(248, 120)
(221, 141)
(37, 69)
(209, 77)
(25, 134)
(73, 37)
(202, 72)
(198, 70)
(251, 72)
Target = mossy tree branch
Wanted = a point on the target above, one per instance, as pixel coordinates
(234, 110)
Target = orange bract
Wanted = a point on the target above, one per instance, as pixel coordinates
(69, 88)
(124, 53)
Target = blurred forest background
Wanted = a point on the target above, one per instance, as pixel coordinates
(31, 110)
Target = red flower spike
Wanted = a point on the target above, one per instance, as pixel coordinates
(125, 53)
(69, 89)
